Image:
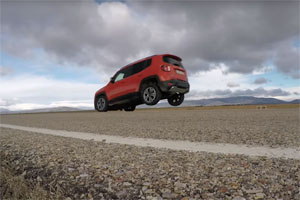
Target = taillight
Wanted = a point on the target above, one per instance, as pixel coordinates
(166, 68)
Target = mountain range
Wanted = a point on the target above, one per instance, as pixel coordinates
(244, 100)
(55, 109)
(239, 100)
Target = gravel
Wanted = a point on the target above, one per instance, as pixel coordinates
(95, 170)
(267, 127)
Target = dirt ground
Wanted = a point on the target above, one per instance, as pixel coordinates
(53, 167)
(37, 166)
(270, 127)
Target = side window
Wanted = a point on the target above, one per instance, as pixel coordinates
(119, 76)
(147, 63)
(124, 73)
(141, 66)
(127, 71)
(131, 70)
(137, 67)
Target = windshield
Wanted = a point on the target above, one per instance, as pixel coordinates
(172, 61)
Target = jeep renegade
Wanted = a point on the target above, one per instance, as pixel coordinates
(145, 81)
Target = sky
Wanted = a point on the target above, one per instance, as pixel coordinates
(59, 53)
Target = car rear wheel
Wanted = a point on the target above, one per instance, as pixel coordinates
(101, 104)
(151, 94)
(176, 99)
(129, 108)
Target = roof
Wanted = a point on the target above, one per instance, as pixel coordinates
(171, 55)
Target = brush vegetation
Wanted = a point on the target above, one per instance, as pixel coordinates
(14, 187)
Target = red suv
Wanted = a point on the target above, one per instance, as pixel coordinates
(145, 81)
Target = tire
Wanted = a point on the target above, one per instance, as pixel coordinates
(151, 94)
(129, 108)
(176, 99)
(101, 104)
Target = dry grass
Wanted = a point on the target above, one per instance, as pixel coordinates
(15, 187)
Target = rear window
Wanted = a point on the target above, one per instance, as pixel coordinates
(172, 61)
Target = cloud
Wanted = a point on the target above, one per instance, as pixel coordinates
(257, 92)
(5, 71)
(242, 35)
(108, 35)
(217, 79)
(287, 60)
(81, 32)
(260, 80)
(28, 106)
(39, 90)
(232, 84)
(294, 91)
(8, 102)
(261, 92)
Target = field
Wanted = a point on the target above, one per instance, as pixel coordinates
(53, 167)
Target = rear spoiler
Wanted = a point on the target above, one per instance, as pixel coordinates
(173, 56)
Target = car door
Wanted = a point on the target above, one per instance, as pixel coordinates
(116, 85)
(119, 85)
(137, 75)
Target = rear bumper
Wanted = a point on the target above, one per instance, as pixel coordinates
(174, 86)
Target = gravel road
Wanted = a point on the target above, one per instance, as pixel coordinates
(81, 169)
(54, 167)
(270, 127)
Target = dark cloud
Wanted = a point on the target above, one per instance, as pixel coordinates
(287, 60)
(5, 71)
(242, 35)
(258, 92)
(74, 32)
(232, 84)
(260, 80)
(261, 92)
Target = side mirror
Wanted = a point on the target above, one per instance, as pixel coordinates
(112, 79)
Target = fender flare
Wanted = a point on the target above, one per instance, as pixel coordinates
(153, 77)
(100, 94)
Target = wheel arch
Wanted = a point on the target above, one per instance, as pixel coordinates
(98, 95)
(148, 79)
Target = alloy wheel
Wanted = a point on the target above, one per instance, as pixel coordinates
(101, 103)
(149, 94)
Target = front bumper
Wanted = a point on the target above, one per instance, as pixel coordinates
(174, 86)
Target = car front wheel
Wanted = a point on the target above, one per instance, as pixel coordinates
(101, 104)
(151, 94)
(176, 99)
